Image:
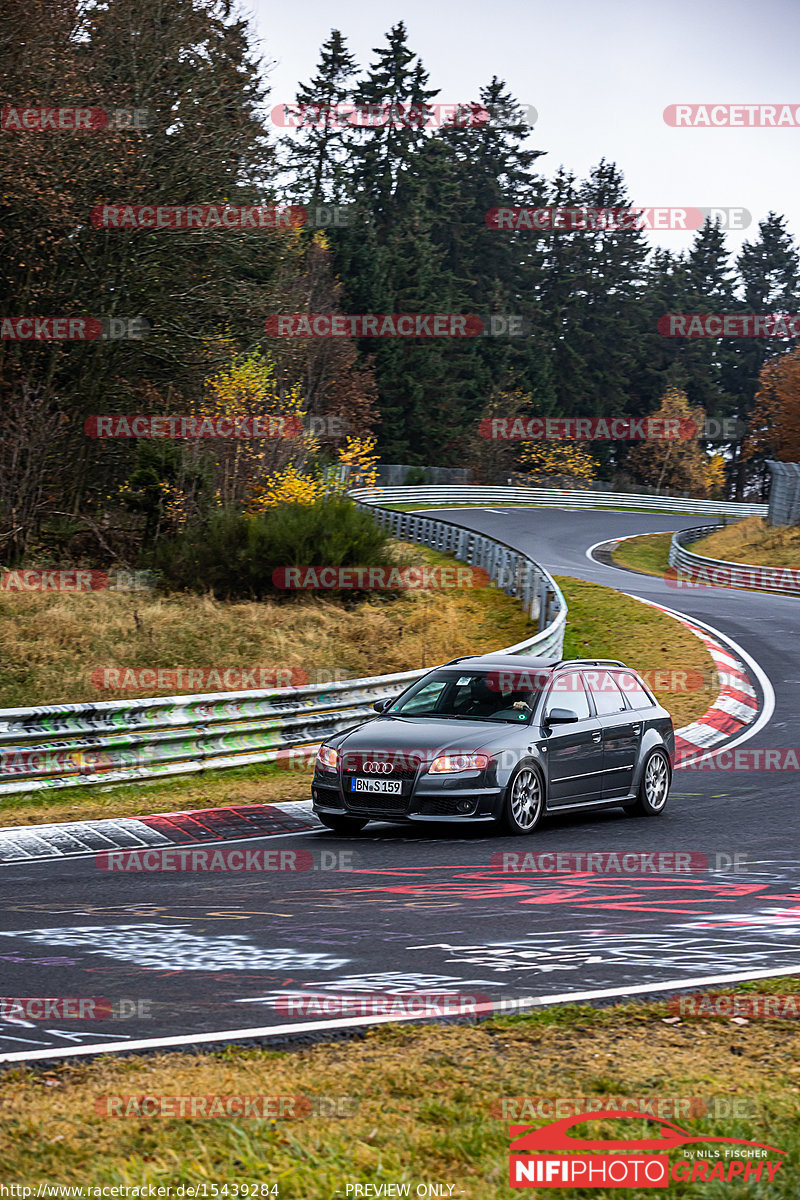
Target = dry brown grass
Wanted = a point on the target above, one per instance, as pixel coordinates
(422, 1103)
(51, 644)
(753, 541)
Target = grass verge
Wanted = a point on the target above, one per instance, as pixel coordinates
(648, 553)
(602, 623)
(58, 648)
(424, 1104)
(753, 541)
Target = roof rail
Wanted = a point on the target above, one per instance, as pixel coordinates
(565, 662)
(591, 662)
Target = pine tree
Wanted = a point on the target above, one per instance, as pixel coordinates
(315, 157)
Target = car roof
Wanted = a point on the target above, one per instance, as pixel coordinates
(504, 660)
(525, 663)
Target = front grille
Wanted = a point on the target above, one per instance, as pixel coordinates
(376, 802)
(404, 766)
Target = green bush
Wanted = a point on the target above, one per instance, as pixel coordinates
(234, 556)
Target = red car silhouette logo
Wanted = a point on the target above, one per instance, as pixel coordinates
(528, 1139)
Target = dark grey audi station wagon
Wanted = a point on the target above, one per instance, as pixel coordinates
(501, 738)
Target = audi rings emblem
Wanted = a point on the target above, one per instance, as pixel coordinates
(381, 767)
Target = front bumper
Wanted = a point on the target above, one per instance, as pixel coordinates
(458, 798)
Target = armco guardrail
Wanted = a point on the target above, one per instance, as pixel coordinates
(552, 497)
(702, 571)
(123, 740)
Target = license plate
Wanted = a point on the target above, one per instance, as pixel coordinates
(393, 786)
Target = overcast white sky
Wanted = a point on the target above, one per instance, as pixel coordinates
(600, 73)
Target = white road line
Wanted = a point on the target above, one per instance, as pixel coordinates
(482, 1009)
(589, 553)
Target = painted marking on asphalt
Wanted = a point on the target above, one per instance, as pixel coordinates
(483, 1009)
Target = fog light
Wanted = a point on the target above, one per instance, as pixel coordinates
(464, 805)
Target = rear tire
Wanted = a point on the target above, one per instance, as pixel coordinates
(524, 801)
(338, 824)
(653, 788)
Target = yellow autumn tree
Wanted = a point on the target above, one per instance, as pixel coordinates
(246, 388)
(715, 477)
(360, 461)
(357, 468)
(569, 460)
(674, 464)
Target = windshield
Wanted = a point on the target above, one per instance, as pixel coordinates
(499, 694)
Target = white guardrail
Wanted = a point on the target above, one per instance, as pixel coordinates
(447, 494)
(124, 740)
(702, 571)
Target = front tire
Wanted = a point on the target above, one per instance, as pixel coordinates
(524, 801)
(338, 824)
(653, 788)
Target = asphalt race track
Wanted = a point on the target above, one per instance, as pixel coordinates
(181, 958)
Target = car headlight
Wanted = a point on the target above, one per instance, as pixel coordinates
(328, 758)
(449, 764)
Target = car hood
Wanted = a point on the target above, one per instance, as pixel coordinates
(431, 737)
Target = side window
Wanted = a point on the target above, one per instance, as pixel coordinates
(568, 692)
(605, 693)
(637, 696)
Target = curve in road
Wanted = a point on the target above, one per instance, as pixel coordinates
(176, 958)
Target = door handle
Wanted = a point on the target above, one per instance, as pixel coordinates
(596, 737)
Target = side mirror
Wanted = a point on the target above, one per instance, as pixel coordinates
(381, 705)
(561, 716)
